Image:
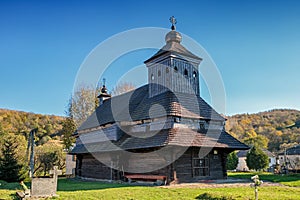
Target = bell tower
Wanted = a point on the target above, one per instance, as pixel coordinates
(173, 67)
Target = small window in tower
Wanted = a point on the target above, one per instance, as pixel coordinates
(177, 119)
(152, 77)
(159, 72)
(167, 70)
(175, 69)
(194, 74)
(185, 72)
(202, 125)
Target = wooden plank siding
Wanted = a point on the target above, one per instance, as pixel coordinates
(92, 168)
(182, 170)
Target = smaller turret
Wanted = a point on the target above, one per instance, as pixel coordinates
(103, 94)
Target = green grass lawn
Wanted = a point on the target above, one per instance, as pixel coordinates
(75, 189)
(153, 193)
(292, 180)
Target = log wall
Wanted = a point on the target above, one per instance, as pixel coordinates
(179, 171)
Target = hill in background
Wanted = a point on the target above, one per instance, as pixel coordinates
(276, 127)
(20, 123)
(273, 128)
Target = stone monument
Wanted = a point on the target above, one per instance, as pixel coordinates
(43, 187)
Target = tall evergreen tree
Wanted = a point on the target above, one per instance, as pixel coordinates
(9, 165)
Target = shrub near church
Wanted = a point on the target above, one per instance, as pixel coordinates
(257, 159)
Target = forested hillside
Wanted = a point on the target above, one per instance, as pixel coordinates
(270, 129)
(15, 127)
(20, 123)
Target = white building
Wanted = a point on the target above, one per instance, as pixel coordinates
(242, 155)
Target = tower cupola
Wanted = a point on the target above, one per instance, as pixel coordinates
(173, 67)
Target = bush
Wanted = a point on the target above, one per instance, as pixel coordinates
(257, 159)
(232, 161)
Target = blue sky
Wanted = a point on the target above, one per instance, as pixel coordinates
(255, 44)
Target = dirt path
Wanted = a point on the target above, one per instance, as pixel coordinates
(219, 184)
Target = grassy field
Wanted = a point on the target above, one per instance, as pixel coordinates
(75, 189)
(292, 180)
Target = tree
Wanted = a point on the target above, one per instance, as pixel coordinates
(1, 130)
(82, 103)
(69, 127)
(232, 161)
(9, 165)
(285, 146)
(49, 155)
(257, 159)
(277, 126)
(123, 87)
(258, 141)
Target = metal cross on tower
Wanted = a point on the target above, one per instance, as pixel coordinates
(104, 80)
(173, 22)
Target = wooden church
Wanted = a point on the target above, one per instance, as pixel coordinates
(161, 131)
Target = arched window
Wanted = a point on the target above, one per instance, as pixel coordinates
(175, 69)
(185, 72)
(159, 73)
(152, 77)
(194, 74)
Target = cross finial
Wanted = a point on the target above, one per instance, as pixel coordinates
(103, 89)
(173, 22)
(104, 80)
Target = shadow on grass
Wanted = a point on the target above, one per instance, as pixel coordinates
(207, 196)
(11, 186)
(68, 185)
(14, 197)
(77, 184)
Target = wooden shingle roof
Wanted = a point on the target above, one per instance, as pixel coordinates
(182, 137)
(135, 105)
(173, 48)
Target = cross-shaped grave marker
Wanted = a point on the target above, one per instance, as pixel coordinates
(55, 172)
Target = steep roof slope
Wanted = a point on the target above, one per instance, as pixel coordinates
(173, 46)
(135, 105)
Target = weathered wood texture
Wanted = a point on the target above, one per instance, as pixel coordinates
(175, 74)
(110, 133)
(92, 168)
(182, 170)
